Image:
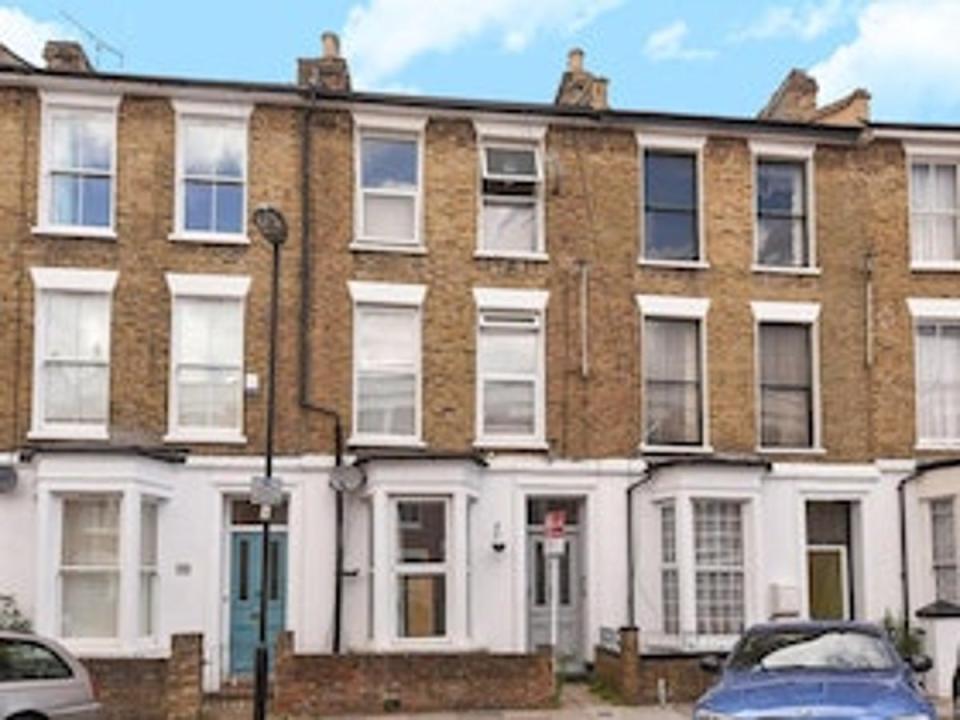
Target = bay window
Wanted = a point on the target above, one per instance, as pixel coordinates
(211, 172)
(944, 549)
(421, 567)
(510, 367)
(669, 571)
(386, 366)
(719, 553)
(71, 388)
(207, 358)
(90, 566)
(78, 164)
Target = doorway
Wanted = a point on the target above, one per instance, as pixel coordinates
(572, 586)
(246, 545)
(829, 551)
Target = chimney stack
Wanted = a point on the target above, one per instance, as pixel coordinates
(796, 101)
(327, 72)
(66, 56)
(579, 87)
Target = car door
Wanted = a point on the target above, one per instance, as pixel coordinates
(33, 677)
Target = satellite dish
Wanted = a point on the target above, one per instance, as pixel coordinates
(347, 477)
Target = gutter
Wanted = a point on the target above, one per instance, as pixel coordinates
(646, 477)
(172, 455)
(920, 470)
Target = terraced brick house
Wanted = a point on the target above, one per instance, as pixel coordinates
(725, 347)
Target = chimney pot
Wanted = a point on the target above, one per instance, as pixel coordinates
(66, 55)
(330, 42)
(579, 87)
(575, 60)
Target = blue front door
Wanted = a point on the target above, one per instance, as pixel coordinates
(245, 564)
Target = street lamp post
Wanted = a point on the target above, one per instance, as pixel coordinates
(272, 225)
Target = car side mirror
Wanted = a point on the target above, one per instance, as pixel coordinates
(711, 664)
(920, 663)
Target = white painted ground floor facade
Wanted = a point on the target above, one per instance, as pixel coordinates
(116, 552)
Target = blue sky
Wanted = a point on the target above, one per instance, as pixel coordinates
(703, 56)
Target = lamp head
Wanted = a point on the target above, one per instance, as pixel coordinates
(271, 224)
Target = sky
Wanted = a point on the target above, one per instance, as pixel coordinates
(716, 57)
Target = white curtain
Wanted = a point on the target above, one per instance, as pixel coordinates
(938, 397)
(386, 360)
(90, 566)
(786, 385)
(672, 381)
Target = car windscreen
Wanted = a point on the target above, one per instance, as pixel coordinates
(813, 649)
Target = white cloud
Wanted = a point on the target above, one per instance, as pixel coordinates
(807, 22)
(905, 53)
(669, 43)
(25, 35)
(381, 37)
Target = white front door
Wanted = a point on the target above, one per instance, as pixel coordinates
(571, 589)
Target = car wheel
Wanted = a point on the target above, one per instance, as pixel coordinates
(28, 716)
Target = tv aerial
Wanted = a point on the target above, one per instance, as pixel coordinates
(100, 46)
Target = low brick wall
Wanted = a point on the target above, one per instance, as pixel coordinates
(151, 688)
(311, 685)
(641, 679)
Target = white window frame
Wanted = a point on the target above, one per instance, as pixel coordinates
(940, 564)
(52, 104)
(668, 567)
(431, 569)
(937, 311)
(66, 280)
(678, 144)
(930, 154)
(673, 307)
(742, 568)
(220, 287)
(523, 304)
(390, 127)
(209, 114)
(793, 313)
(374, 295)
(512, 137)
(787, 152)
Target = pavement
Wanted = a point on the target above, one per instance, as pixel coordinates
(577, 702)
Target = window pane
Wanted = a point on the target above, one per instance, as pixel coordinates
(945, 186)
(148, 603)
(386, 404)
(229, 204)
(23, 661)
(386, 338)
(718, 533)
(210, 331)
(782, 242)
(65, 204)
(214, 149)
(785, 354)
(673, 413)
(719, 603)
(509, 226)
(89, 604)
(780, 188)
(209, 397)
(509, 407)
(670, 180)
(95, 201)
(786, 418)
(672, 350)
(148, 534)
(76, 326)
(388, 217)
(82, 141)
(388, 163)
(670, 598)
(422, 606)
(421, 531)
(718, 548)
(508, 351)
(509, 161)
(921, 196)
(668, 534)
(198, 205)
(90, 531)
(671, 236)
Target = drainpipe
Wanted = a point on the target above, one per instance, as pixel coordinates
(306, 290)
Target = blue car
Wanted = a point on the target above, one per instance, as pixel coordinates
(815, 670)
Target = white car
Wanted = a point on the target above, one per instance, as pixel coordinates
(40, 680)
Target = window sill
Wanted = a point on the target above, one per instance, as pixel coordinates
(65, 432)
(74, 231)
(674, 264)
(385, 441)
(791, 451)
(952, 444)
(375, 246)
(677, 449)
(928, 267)
(194, 437)
(209, 238)
(778, 270)
(522, 256)
(511, 444)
